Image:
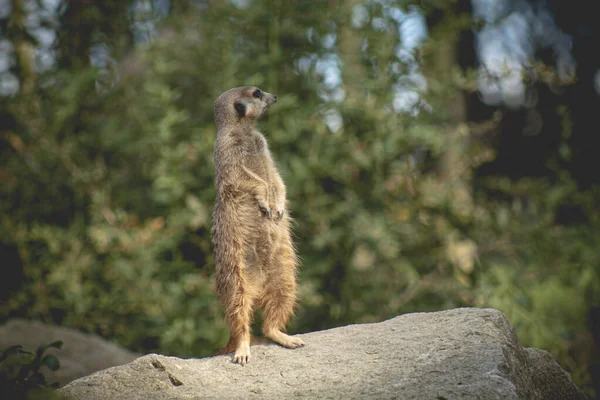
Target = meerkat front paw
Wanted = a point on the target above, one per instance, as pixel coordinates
(279, 214)
(280, 209)
(265, 208)
(268, 212)
(276, 212)
(273, 211)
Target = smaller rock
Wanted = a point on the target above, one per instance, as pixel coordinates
(551, 380)
(81, 355)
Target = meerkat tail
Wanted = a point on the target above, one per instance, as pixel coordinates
(229, 348)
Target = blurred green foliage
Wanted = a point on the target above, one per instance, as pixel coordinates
(107, 190)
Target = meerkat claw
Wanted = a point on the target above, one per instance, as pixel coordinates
(266, 211)
(279, 214)
(242, 355)
(243, 360)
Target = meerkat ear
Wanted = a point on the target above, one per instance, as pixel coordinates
(240, 108)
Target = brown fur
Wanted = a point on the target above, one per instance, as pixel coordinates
(255, 259)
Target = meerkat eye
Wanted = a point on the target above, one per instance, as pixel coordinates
(258, 94)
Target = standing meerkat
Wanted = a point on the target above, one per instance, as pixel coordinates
(255, 259)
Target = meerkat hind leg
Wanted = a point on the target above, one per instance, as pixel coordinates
(283, 339)
(278, 306)
(239, 318)
(241, 327)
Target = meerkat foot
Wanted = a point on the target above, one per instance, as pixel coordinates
(242, 354)
(284, 340)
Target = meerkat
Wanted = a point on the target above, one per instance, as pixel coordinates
(256, 263)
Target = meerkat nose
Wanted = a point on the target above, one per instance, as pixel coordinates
(275, 97)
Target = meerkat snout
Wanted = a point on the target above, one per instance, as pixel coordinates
(269, 98)
(250, 103)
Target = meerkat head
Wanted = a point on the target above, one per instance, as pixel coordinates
(242, 104)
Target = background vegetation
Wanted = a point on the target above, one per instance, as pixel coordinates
(411, 191)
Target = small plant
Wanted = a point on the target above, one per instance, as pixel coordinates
(20, 376)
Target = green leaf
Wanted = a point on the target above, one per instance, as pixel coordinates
(51, 362)
(11, 351)
(41, 349)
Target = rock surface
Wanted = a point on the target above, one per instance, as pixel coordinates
(458, 354)
(81, 354)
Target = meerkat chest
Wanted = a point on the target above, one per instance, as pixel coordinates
(256, 144)
(255, 148)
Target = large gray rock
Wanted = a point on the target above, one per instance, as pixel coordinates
(456, 354)
(81, 354)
